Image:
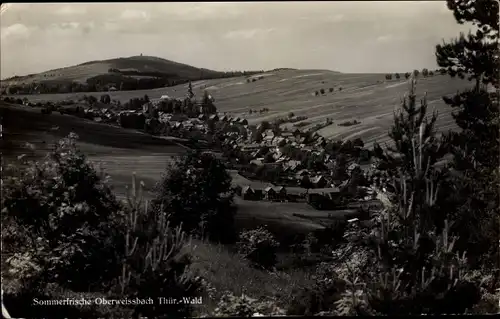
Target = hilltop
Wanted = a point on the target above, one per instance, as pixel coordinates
(136, 72)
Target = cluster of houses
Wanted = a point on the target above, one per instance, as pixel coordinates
(240, 136)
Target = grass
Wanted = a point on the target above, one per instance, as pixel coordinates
(227, 271)
(121, 151)
(286, 91)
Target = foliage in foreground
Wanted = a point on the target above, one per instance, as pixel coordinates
(197, 193)
(259, 247)
(418, 269)
(65, 226)
(245, 306)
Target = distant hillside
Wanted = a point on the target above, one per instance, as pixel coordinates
(132, 73)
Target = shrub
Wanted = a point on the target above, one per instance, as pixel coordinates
(349, 123)
(322, 91)
(65, 226)
(244, 306)
(397, 76)
(63, 206)
(407, 75)
(259, 247)
(196, 191)
(290, 115)
(156, 259)
(322, 295)
(331, 90)
(388, 76)
(105, 99)
(316, 93)
(414, 227)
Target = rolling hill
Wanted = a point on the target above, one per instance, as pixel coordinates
(367, 98)
(136, 66)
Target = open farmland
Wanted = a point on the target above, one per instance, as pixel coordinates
(121, 152)
(368, 98)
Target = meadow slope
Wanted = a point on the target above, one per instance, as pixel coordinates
(368, 98)
(122, 152)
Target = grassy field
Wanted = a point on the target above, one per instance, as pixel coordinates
(368, 98)
(122, 152)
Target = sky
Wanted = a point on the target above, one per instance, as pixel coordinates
(345, 36)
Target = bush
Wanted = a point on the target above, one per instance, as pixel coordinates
(316, 93)
(259, 247)
(322, 91)
(414, 226)
(65, 226)
(331, 90)
(397, 76)
(105, 99)
(321, 296)
(196, 191)
(388, 76)
(349, 123)
(244, 306)
(63, 206)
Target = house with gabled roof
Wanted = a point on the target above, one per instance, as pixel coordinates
(269, 193)
(280, 192)
(248, 193)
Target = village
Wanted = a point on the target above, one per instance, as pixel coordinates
(267, 162)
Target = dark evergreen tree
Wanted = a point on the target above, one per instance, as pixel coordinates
(476, 146)
(190, 93)
(474, 56)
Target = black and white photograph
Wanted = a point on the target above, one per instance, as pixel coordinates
(249, 158)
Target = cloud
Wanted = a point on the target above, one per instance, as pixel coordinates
(63, 29)
(15, 30)
(71, 10)
(385, 38)
(204, 11)
(247, 34)
(336, 18)
(69, 25)
(131, 14)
